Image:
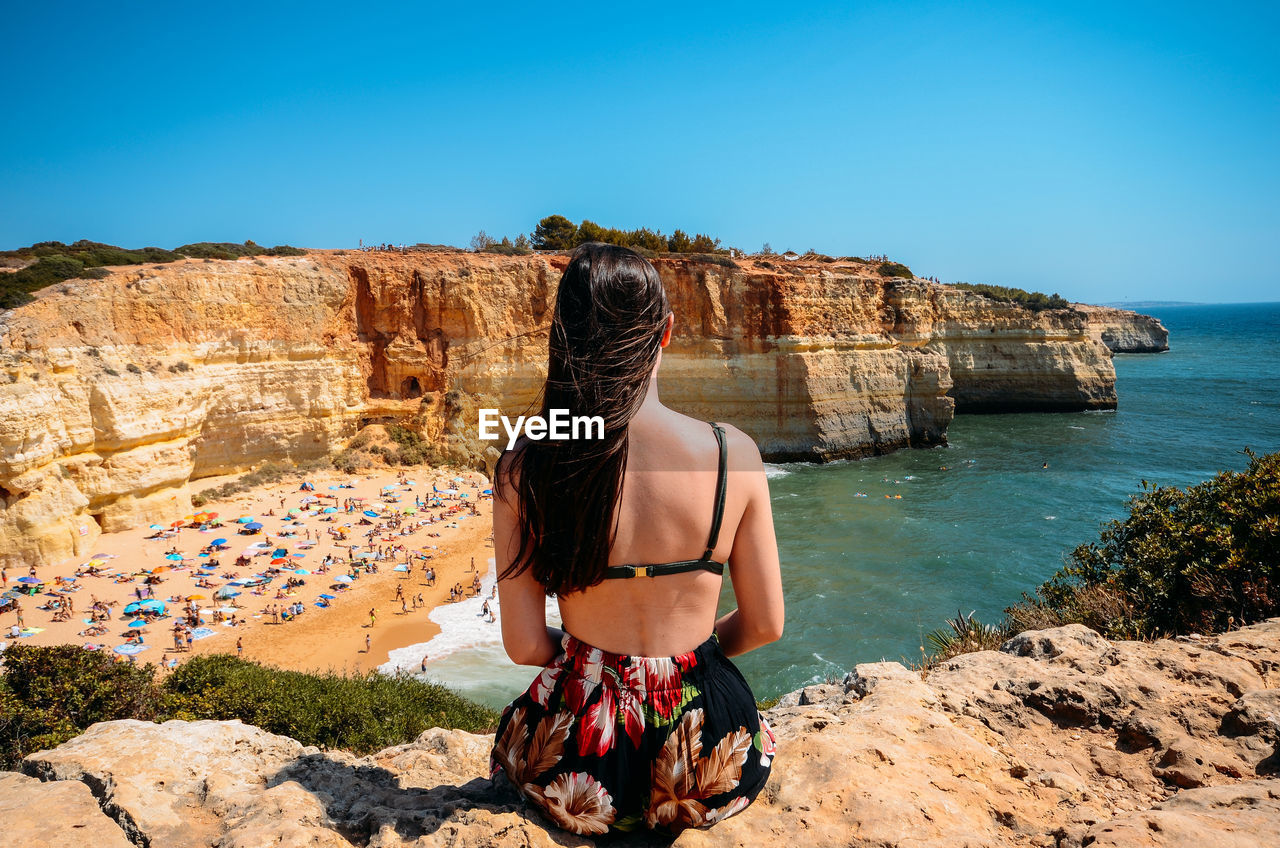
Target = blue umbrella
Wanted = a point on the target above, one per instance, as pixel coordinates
(342, 578)
(137, 622)
(218, 542)
(279, 552)
(301, 571)
(371, 513)
(328, 597)
(174, 557)
(28, 580)
(401, 568)
(253, 525)
(329, 509)
(156, 527)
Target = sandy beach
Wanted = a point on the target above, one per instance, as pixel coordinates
(410, 519)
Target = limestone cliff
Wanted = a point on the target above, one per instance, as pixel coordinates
(1059, 740)
(122, 390)
(1124, 331)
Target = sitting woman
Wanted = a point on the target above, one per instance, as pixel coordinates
(639, 717)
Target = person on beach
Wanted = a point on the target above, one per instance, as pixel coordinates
(638, 716)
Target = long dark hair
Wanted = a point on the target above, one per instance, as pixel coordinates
(605, 336)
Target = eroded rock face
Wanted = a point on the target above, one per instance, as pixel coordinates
(122, 391)
(1124, 331)
(1061, 738)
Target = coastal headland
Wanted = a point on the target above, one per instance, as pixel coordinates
(124, 392)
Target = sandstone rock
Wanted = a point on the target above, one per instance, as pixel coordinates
(283, 358)
(1123, 331)
(1243, 815)
(33, 813)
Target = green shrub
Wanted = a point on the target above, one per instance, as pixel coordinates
(55, 262)
(180, 367)
(133, 369)
(51, 694)
(362, 713)
(1201, 559)
(893, 269)
(1035, 301)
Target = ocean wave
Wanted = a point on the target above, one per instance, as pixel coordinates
(462, 629)
(773, 472)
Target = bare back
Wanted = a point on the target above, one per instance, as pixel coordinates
(665, 514)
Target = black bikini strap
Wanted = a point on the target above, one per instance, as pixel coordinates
(718, 516)
(628, 571)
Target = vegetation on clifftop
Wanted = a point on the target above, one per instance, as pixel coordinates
(49, 262)
(1198, 560)
(51, 694)
(1035, 301)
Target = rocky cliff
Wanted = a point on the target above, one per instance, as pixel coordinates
(1061, 739)
(1124, 331)
(121, 391)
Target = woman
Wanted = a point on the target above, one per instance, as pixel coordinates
(638, 717)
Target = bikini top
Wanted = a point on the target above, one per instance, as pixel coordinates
(706, 563)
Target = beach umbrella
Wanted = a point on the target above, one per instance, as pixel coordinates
(225, 592)
(365, 554)
(328, 597)
(195, 597)
(301, 571)
(176, 524)
(342, 578)
(253, 525)
(160, 568)
(101, 556)
(244, 519)
(401, 568)
(371, 513)
(228, 609)
(137, 622)
(28, 580)
(218, 542)
(279, 552)
(329, 510)
(200, 517)
(487, 492)
(173, 556)
(155, 527)
(279, 560)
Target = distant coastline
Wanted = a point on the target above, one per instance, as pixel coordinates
(1151, 304)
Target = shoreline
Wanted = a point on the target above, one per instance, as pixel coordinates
(319, 640)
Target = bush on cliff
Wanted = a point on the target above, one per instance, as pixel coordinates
(55, 262)
(1035, 301)
(361, 713)
(51, 694)
(893, 269)
(1202, 559)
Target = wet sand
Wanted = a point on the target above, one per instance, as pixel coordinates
(320, 639)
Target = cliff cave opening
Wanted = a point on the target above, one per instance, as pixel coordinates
(410, 388)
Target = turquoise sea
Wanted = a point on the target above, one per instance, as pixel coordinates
(979, 521)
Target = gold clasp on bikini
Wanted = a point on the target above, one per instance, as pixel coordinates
(641, 571)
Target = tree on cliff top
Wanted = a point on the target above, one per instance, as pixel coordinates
(555, 232)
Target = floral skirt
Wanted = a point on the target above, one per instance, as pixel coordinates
(606, 742)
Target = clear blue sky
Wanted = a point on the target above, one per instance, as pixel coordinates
(1105, 151)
